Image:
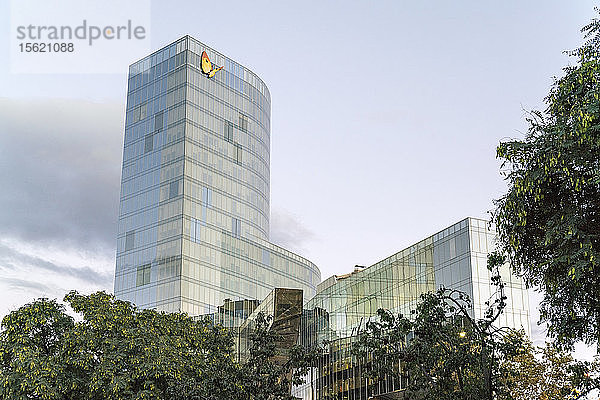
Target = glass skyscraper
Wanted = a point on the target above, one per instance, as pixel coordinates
(194, 208)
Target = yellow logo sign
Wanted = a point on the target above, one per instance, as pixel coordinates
(207, 66)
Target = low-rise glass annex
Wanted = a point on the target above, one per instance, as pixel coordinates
(454, 258)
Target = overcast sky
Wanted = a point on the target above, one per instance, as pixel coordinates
(385, 118)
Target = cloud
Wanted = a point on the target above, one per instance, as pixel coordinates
(23, 284)
(288, 232)
(61, 163)
(13, 261)
(61, 171)
(33, 270)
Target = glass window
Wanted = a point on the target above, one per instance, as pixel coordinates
(158, 120)
(238, 153)
(149, 143)
(228, 131)
(173, 189)
(243, 122)
(236, 227)
(143, 275)
(129, 240)
(206, 196)
(143, 110)
(193, 230)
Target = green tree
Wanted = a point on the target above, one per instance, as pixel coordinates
(440, 348)
(533, 373)
(441, 351)
(268, 374)
(115, 352)
(31, 362)
(126, 353)
(549, 220)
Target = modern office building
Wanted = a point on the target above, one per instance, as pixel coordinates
(454, 258)
(193, 232)
(194, 208)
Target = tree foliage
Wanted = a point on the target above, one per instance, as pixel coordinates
(548, 373)
(445, 353)
(116, 351)
(31, 354)
(442, 350)
(549, 220)
(263, 378)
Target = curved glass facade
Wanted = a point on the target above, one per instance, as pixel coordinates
(194, 208)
